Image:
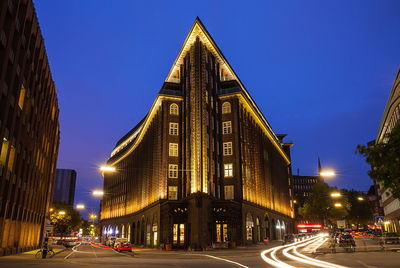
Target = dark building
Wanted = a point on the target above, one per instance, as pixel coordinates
(29, 129)
(64, 186)
(204, 166)
(303, 185)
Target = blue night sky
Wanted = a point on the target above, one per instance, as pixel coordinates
(320, 71)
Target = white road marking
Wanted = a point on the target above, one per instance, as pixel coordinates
(273, 260)
(73, 251)
(366, 265)
(221, 259)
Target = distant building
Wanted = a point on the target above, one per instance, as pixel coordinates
(374, 200)
(29, 128)
(390, 119)
(204, 166)
(64, 186)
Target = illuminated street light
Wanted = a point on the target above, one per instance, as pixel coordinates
(80, 206)
(338, 205)
(98, 193)
(61, 212)
(336, 194)
(327, 173)
(51, 209)
(387, 222)
(107, 169)
(93, 216)
(360, 198)
(295, 201)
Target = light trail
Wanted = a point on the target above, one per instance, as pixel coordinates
(273, 260)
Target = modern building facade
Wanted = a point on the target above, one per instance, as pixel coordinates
(203, 167)
(29, 129)
(390, 118)
(64, 186)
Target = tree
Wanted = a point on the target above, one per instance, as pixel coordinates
(360, 210)
(64, 223)
(320, 206)
(384, 159)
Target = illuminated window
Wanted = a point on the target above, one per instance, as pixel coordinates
(227, 148)
(173, 171)
(228, 170)
(175, 234)
(229, 192)
(11, 158)
(173, 129)
(21, 99)
(174, 109)
(226, 108)
(206, 97)
(227, 127)
(4, 151)
(181, 233)
(173, 149)
(173, 192)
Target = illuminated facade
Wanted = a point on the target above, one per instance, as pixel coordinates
(390, 118)
(203, 167)
(29, 129)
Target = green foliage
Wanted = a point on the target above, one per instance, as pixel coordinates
(360, 211)
(65, 224)
(384, 159)
(320, 206)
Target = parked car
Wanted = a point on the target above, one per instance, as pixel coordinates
(391, 238)
(346, 240)
(69, 243)
(110, 241)
(123, 246)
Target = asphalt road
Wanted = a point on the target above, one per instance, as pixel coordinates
(86, 255)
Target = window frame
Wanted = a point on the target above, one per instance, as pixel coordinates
(227, 148)
(227, 127)
(228, 170)
(172, 171)
(173, 129)
(174, 109)
(173, 149)
(226, 107)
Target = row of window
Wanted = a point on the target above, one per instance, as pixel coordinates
(228, 190)
(173, 149)
(226, 128)
(174, 108)
(173, 171)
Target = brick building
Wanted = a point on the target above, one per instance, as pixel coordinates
(203, 167)
(29, 129)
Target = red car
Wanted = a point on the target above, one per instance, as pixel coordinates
(123, 246)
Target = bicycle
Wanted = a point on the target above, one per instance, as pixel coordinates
(50, 253)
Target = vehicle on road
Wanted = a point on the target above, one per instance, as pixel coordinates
(346, 240)
(110, 241)
(69, 243)
(123, 246)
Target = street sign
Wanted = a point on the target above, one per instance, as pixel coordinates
(379, 220)
(341, 224)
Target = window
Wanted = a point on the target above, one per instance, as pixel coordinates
(11, 158)
(174, 109)
(4, 151)
(206, 97)
(228, 170)
(173, 129)
(173, 149)
(173, 171)
(226, 108)
(173, 192)
(228, 192)
(21, 97)
(227, 127)
(227, 148)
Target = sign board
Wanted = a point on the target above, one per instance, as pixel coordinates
(379, 220)
(341, 224)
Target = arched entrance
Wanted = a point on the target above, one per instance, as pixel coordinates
(249, 227)
(273, 229)
(123, 231)
(278, 230)
(138, 233)
(266, 222)
(258, 229)
(142, 231)
(117, 231)
(155, 231)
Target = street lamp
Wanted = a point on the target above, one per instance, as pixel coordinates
(98, 193)
(338, 205)
(360, 198)
(327, 173)
(80, 206)
(107, 169)
(51, 209)
(61, 212)
(336, 194)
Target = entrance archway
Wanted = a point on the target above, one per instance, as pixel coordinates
(266, 222)
(249, 228)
